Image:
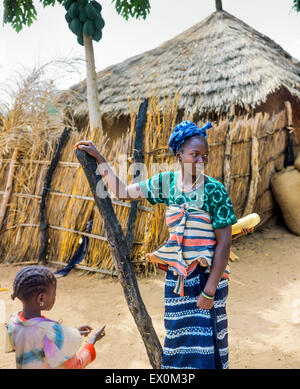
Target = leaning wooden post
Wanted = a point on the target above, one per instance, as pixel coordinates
(9, 185)
(121, 258)
(138, 158)
(43, 228)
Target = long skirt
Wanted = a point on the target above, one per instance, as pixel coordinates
(195, 338)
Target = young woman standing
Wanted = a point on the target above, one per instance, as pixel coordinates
(199, 216)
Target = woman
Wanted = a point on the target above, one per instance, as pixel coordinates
(199, 217)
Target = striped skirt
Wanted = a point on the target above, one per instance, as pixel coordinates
(195, 338)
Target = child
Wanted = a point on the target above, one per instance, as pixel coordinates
(41, 343)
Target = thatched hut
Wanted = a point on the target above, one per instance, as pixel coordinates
(217, 64)
(221, 69)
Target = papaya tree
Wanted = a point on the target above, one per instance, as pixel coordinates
(296, 5)
(86, 22)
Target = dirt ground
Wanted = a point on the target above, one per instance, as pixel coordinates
(263, 307)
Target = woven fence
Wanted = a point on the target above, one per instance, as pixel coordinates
(244, 152)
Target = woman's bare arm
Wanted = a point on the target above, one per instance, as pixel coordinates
(114, 184)
(220, 261)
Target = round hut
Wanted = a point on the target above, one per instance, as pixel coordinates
(218, 64)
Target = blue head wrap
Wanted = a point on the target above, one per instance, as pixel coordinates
(185, 130)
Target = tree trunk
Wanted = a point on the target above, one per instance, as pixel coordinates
(91, 84)
(138, 158)
(219, 5)
(121, 258)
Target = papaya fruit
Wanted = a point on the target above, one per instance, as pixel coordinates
(68, 4)
(74, 10)
(76, 26)
(88, 27)
(68, 18)
(99, 22)
(82, 15)
(97, 6)
(90, 11)
(80, 40)
(97, 34)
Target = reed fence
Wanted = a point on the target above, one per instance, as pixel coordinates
(244, 152)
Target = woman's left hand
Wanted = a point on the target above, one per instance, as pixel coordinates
(245, 231)
(204, 303)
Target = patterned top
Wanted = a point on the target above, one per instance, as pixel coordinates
(41, 343)
(192, 218)
(163, 188)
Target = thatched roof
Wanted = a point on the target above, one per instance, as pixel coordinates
(216, 63)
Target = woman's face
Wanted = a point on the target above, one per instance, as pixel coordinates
(193, 155)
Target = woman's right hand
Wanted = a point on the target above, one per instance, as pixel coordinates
(89, 147)
(97, 335)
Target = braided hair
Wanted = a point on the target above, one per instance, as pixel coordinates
(31, 280)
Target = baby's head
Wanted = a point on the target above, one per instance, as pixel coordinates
(35, 285)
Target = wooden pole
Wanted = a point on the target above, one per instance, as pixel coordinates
(290, 158)
(44, 231)
(255, 176)
(138, 158)
(121, 258)
(9, 185)
(219, 5)
(227, 152)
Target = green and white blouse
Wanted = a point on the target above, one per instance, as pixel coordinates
(164, 188)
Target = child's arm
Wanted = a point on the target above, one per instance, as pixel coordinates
(80, 360)
(87, 354)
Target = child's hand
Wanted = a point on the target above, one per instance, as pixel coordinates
(97, 335)
(89, 147)
(85, 330)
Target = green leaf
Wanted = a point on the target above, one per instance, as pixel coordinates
(20, 13)
(134, 8)
(296, 5)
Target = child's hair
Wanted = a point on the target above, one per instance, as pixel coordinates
(32, 280)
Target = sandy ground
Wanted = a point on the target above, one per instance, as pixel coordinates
(263, 307)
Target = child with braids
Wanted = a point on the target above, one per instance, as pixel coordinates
(41, 343)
